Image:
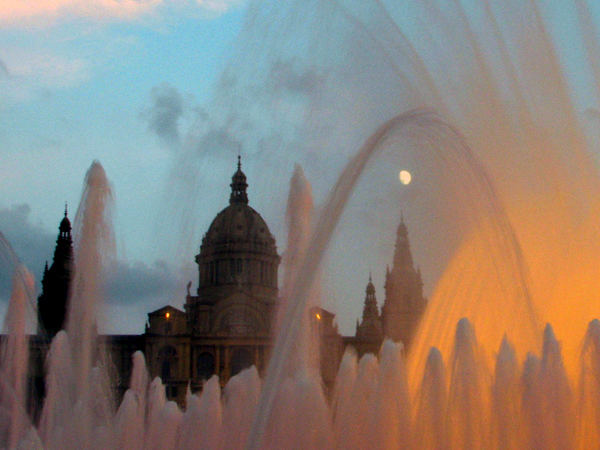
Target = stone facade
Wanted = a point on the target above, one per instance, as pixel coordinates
(227, 323)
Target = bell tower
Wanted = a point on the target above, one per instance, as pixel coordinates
(370, 325)
(56, 282)
(404, 302)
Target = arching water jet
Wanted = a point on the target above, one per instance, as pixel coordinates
(430, 125)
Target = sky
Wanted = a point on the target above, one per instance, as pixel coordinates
(112, 81)
(166, 93)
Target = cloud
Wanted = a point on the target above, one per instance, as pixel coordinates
(49, 70)
(284, 75)
(34, 72)
(138, 282)
(219, 141)
(126, 283)
(31, 243)
(47, 12)
(163, 115)
(220, 6)
(19, 11)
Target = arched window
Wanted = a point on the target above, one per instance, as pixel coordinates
(241, 358)
(206, 365)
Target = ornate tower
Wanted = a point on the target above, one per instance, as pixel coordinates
(237, 264)
(53, 302)
(369, 332)
(370, 326)
(404, 302)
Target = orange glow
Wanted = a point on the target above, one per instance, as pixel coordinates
(318, 316)
(167, 315)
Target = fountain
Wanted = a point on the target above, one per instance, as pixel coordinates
(485, 106)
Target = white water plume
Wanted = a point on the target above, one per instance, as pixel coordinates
(481, 98)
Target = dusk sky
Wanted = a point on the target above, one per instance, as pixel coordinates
(166, 93)
(143, 87)
(109, 80)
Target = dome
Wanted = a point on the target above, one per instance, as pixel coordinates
(238, 223)
(237, 270)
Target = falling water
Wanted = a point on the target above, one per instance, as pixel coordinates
(14, 350)
(94, 250)
(523, 321)
(485, 104)
(299, 213)
(14, 359)
(77, 411)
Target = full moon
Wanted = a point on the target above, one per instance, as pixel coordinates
(404, 176)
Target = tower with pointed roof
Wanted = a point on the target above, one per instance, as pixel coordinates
(404, 303)
(56, 282)
(369, 331)
(370, 324)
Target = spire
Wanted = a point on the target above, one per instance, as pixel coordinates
(370, 290)
(404, 302)
(402, 254)
(238, 185)
(370, 309)
(65, 227)
(370, 325)
(52, 303)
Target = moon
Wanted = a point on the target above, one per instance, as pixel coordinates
(405, 177)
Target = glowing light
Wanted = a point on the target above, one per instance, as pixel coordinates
(318, 316)
(405, 177)
(167, 315)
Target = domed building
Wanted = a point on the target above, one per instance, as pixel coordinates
(227, 323)
(237, 265)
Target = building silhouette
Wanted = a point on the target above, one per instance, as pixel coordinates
(227, 323)
(52, 303)
(404, 302)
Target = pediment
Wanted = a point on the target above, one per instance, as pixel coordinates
(240, 315)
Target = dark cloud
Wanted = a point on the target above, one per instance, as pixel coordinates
(140, 283)
(164, 113)
(32, 244)
(126, 284)
(285, 76)
(218, 140)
